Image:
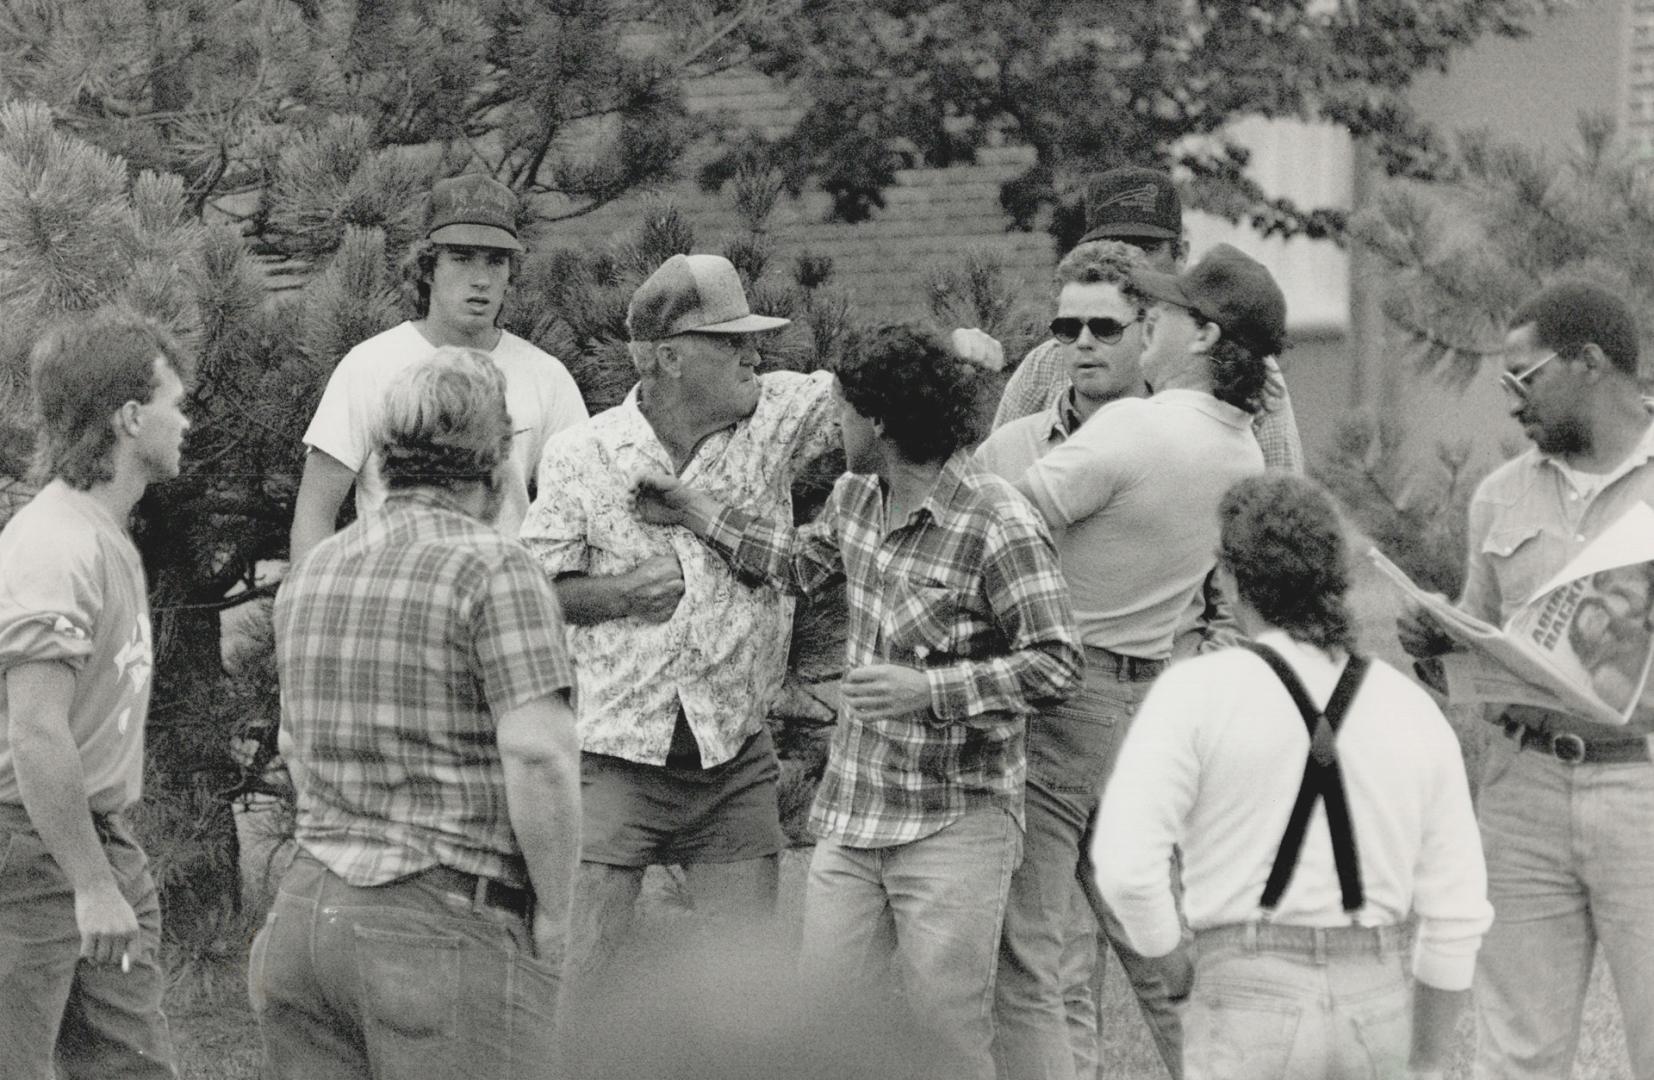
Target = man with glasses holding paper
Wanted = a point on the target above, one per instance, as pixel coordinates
(1566, 805)
(1132, 497)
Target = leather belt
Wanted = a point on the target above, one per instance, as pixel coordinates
(1567, 747)
(480, 891)
(1124, 668)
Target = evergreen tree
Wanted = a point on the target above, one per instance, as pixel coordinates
(1459, 256)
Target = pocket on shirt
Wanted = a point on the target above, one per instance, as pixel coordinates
(1523, 557)
(922, 620)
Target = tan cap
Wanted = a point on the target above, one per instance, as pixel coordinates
(693, 292)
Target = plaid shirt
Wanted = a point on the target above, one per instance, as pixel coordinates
(398, 642)
(1041, 380)
(968, 589)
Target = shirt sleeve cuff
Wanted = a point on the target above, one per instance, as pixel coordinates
(727, 529)
(1444, 971)
(949, 692)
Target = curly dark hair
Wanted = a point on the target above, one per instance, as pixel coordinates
(907, 377)
(1568, 315)
(84, 369)
(419, 265)
(1238, 374)
(1284, 543)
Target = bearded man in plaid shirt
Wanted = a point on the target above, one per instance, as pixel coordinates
(426, 721)
(959, 627)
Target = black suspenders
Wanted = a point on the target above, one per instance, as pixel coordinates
(1322, 779)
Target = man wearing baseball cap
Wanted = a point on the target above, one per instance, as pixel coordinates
(458, 275)
(678, 659)
(1140, 207)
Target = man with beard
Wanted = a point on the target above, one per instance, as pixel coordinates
(459, 274)
(1566, 805)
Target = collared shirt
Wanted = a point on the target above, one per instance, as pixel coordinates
(1134, 493)
(723, 652)
(966, 588)
(1212, 763)
(1041, 380)
(1530, 518)
(400, 641)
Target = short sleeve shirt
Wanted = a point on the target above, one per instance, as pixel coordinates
(399, 643)
(72, 591)
(539, 391)
(723, 652)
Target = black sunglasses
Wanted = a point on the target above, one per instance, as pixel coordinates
(1107, 331)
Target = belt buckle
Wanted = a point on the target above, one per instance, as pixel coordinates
(1568, 747)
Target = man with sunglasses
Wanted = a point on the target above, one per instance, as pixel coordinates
(1140, 207)
(1566, 806)
(679, 658)
(1132, 498)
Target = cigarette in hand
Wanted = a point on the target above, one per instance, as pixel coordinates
(126, 962)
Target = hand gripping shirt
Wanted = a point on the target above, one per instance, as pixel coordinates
(72, 591)
(723, 652)
(967, 589)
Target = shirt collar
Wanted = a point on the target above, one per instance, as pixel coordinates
(1203, 402)
(1640, 455)
(427, 498)
(939, 502)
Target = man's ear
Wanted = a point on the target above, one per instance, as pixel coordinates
(1595, 360)
(1207, 336)
(128, 419)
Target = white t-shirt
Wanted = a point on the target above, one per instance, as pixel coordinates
(539, 392)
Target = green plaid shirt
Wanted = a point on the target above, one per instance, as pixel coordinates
(398, 641)
(967, 589)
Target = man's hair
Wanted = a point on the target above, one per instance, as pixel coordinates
(419, 266)
(1100, 262)
(1284, 543)
(444, 422)
(83, 370)
(1239, 374)
(907, 377)
(1570, 314)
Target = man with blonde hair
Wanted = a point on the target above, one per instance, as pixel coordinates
(426, 720)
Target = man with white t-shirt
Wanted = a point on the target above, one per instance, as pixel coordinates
(461, 271)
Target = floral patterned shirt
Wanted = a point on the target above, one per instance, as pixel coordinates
(722, 654)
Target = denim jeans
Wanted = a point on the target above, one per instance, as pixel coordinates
(1570, 865)
(1045, 1012)
(97, 1020)
(404, 980)
(927, 913)
(1259, 1014)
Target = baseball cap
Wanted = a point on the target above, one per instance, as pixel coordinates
(474, 211)
(1231, 289)
(693, 292)
(1132, 202)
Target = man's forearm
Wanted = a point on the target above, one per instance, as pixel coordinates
(1435, 1022)
(50, 778)
(593, 598)
(540, 758)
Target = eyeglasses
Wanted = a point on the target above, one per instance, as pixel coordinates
(1517, 382)
(1106, 331)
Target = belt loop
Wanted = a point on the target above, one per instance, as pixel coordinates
(479, 894)
(1320, 939)
(1252, 936)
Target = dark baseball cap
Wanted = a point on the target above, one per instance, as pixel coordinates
(1231, 289)
(474, 211)
(694, 292)
(1132, 202)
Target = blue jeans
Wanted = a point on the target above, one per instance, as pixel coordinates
(1261, 1014)
(1570, 864)
(1045, 1012)
(97, 1020)
(404, 980)
(932, 911)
